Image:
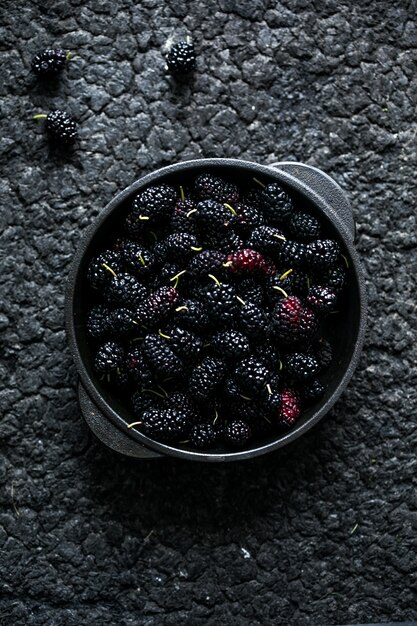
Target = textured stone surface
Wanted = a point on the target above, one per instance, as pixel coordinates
(321, 533)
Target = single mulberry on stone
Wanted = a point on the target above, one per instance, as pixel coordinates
(60, 127)
(181, 58)
(50, 62)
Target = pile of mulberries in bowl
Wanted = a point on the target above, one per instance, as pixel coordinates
(212, 308)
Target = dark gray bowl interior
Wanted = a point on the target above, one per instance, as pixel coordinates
(345, 332)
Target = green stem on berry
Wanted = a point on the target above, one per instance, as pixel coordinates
(137, 339)
(227, 264)
(175, 278)
(190, 212)
(162, 334)
(109, 269)
(181, 308)
(108, 378)
(215, 280)
(101, 378)
(345, 260)
(142, 260)
(280, 237)
(206, 345)
(134, 424)
(135, 323)
(118, 371)
(182, 193)
(245, 397)
(259, 182)
(308, 282)
(216, 416)
(334, 312)
(281, 290)
(230, 208)
(268, 387)
(41, 116)
(280, 365)
(240, 300)
(285, 274)
(185, 441)
(154, 392)
(195, 249)
(265, 418)
(163, 391)
(143, 218)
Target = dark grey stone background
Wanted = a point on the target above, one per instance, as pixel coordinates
(323, 532)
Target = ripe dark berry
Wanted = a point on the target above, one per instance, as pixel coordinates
(267, 352)
(292, 283)
(160, 357)
(322, 253)
(121, 322)
(164, 424)
(137, 259)
(193, 315)
(253, 321)
(186, 344)
(301, 365)
(237, 433)
(229, 242)
(323, 352)
(221, 303)
(183, 218)
(250, 262)
(203, 435)
(231, 389)
(312, 390)
(138, 368)
(266, 239)
(292, 254)
(251, 290)
(143, 401)
(102, 268)
(210, 187)
(49, 62)
(334, 278)
(303, 226)
(176, 247)
(156, 307)
(248, 218)
(181, 58)
(98, 321)
(252, 375)
(292, 321)
(214, 215)
(277, 204)
(205, 263)
(231, 344)
(60, 127)
(206, 377)
(321, 300)
(126, 290)
(109, 357)
(290, 408)
(154, 204)
(185, 404)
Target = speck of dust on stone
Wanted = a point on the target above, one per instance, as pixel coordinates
(246, 553)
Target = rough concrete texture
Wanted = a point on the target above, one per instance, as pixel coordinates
(320, 533)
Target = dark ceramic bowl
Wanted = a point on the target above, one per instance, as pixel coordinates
(310, 188)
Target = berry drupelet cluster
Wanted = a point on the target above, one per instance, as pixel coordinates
(210, 308)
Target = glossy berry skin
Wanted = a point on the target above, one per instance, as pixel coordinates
(293, 254)
(193, 315)
(160, 358)
(333, 277)
(109, 357)
(253, 321)
(231, 344)
(121, 322)
(206, 377)
(61, 128)
(176, 247)
(221, 303)
(183, 403)
(155, 203)
(237, 433)
(250, 262)
(183, 217)
(125, 290)
(292, 321)
(251, 290)
(156, 307)
(312, 391)
(304, 227)
(181, 58)
(277, 204)
(248, 218)
(137, 259)
(143, 401)
(98, 321)
(322, 300)
(214, 215)
(99, 275)
(164, 424)
(205, 263)
(252, 375)
(290, 408)
(211, 187)
(322, 350)
(203, 436)
(301, 365)
(138, 368)
(184, 343)
(49, 62)
(267, 239)
(322, 253)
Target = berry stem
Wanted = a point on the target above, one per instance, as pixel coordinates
(268, 387)
(163, 391)
(135, 339)
(216, 416)
(142, 260)
(176, 277)
(143, 217)
(109, 269)
(154, 392)
(285, 274)
(134, 424)
(259, 182)
(40, 116)
(215, 280)
(162, 334)
(240, 300)
(280, 237)
(68, 56)
(196, 249)
(345, 260)
(265, 418)
(182, 193)
(228, 264)
(308, 282)
(190, 212)
(245, 397)
(181, 308)
(230, 208)
(281, 290)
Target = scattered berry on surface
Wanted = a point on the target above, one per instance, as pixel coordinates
(181, 58)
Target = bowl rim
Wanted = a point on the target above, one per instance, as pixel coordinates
(156, 177)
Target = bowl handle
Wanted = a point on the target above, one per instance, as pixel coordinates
(323, 185)
(107, 433)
